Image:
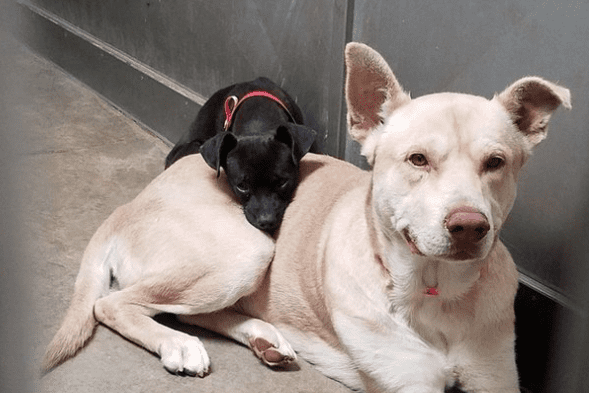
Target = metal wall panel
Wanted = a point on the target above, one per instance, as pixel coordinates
(206, 45)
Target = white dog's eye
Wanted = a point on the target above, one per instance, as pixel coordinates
(418, 159)
(494, 163)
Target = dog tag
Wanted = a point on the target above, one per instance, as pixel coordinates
(431, 291)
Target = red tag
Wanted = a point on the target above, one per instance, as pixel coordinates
(432, 291)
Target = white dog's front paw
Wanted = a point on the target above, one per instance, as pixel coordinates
(185, 355)
(269, 345)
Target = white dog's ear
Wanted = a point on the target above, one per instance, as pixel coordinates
(372, 91)
(530, 102)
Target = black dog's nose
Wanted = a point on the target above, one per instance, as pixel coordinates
(467, 224)
(266, 222)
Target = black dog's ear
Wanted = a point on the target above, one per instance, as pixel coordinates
(214, 150)
(298, 138)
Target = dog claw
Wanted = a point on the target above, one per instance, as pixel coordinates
(192, 373)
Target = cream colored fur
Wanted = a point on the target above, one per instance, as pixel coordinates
(181, 246)
(356, 252)
(344, 286)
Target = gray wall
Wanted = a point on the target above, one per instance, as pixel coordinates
(205, 45)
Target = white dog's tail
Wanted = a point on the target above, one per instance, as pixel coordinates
(92, 283)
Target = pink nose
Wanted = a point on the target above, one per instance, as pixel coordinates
(467, 224)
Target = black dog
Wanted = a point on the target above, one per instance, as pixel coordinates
(255, 132)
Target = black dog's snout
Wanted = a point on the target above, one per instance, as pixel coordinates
(266, 222)
(264, 218)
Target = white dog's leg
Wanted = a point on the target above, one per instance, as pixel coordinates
(391, 355)
(487, 366)
(263, 338)
(126, 313)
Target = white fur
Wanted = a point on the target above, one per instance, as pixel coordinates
(346, 279)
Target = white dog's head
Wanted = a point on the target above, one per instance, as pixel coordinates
(445, 165)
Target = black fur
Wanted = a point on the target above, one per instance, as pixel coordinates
(260, 152)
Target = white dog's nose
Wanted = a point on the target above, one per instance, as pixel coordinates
(467, 225)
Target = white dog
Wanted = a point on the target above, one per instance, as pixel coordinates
(392, 280)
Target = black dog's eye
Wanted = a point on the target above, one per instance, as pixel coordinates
(418, 159)
(283, 183)
(494, 163)
(242, 188)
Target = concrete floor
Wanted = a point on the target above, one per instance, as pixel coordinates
(77, 159)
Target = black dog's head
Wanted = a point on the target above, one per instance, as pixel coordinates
(261, 169)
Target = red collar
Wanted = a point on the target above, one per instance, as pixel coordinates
(232, 102)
